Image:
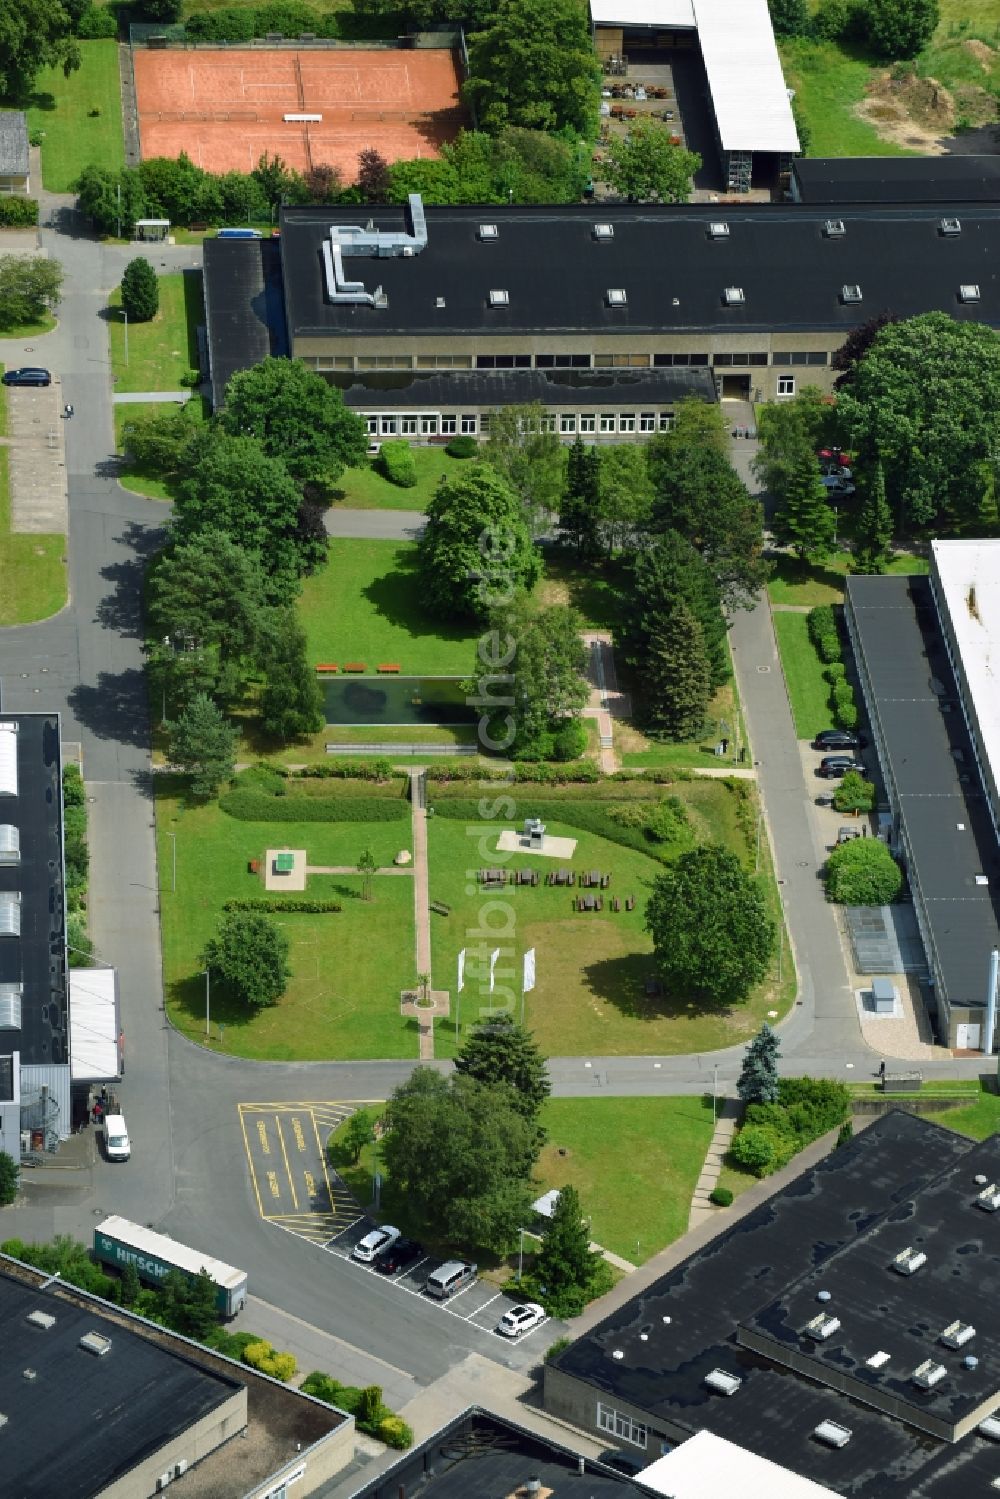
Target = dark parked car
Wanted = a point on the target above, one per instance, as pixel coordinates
(835, 766)
(28, 375)
(404, 1252)
(839, 739)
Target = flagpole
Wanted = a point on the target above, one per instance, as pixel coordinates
(522, 1004)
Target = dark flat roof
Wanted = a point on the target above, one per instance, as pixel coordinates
(244, 311)
(13, 143)
(914, 704)
(84, 1421)
(904, 1181)
(898, 179)
(480, 1455)
(514, 387)
(37, 959)
(557, 275)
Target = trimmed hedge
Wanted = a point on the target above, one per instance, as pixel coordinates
(293, 903)
(589, 816)
(231, 24)
(462, 446)
(253, 806)
(343, 770)
(18, 213)
(396, 463)
(772, 1133)
(823, 632)
(569, 773)
(379, 1421)
(263, 1357)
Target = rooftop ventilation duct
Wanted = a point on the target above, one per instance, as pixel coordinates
(44, 1320)
(908, 1261)
(832, 1434)
(10, 843)
(617, 296)
(968, 292)
(950, 227)
(8, 759)
(722, 1382)
(990, 1428)
(734, 296)
(878, 1359)
(499, 297)
(850, 293)
(989, 1198)
(10, 913)
(489, 231)
(822, 1327)
(604, 231)
(834, 229)
(928, 1374)
(957, 1334)
(10, 1007)
(718, 230)
(352, 239)
(95, 1342)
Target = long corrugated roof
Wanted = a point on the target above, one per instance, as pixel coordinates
(657, 13)
(749, 96)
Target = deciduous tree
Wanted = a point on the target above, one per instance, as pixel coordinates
(899, 28)
(758, 1080)
(30, 286)
(10, 1178)
(250, 954)
(712, 936)
(462, 1155)
(534, 65)
(366, 868)
(502, 1052)
(202, 744)
(373, 175)
(297, 418)
(647, 166)
(530, 458)
(476, 548)
(140, 291)
(231, 485)
(156, 440)
(625, 495)
(863, 873)
(543, 683)
(34, 34)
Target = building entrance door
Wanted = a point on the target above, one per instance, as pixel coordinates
(967, 1037)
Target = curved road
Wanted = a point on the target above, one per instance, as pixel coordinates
(189, 1170)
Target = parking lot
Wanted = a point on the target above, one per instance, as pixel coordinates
(294, 1183)
(480, 1305)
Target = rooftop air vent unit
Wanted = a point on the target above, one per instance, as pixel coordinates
(968, 292)
(834, 229)
(381, 300)
(908, 1261)
(989, 1198)
(10, 913)
(499, 297)
(734, 296)
(10, 843)
(990, 1428)
(8, 759)
(618, 1353)
(823, 1296)
(95, 1342)
(489, 231)
(822, 1327)
(722, 1382)
(850, 293)
(604, 231)
(957, 1334)
(44, 1320)
(10, 1006)
(950, 226)
(877, 1359)
(928, 1374)
(439, 302)
(832, 1434)
(29, 1374)
(616, 296)
(718, 230)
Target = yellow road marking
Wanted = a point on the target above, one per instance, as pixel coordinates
(253, 1174)
(284, 1152)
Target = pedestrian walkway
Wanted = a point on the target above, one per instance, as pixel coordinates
(422, 911)
(353, 869)
(157, 397)
(605, 702)
(702, 1206)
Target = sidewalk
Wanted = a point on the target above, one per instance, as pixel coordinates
(702, 1206)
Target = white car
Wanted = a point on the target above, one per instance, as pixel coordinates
(373, 1244)
(836, 484)
(520, 1319)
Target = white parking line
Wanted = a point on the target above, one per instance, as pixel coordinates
(483, 1307)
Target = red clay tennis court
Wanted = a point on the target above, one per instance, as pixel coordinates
(225, 109)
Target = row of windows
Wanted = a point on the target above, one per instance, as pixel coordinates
(563, 361)
(619, 1425)
(566, 423)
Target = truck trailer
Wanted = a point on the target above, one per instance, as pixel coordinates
(118, 1242)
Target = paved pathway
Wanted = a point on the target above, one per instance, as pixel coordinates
(722, 1137)
(353, 869)
(421, 904)
(375, 525)
(154, 397)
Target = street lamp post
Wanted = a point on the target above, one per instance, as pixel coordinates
(520, 1253)
(715, 1094)
(208, 993)
(173, 861)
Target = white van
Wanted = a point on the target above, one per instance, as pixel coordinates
(453, 1276)
(117, 1146)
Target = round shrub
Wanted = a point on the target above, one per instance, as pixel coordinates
(395, 460)
(835, 672)
(96, 23)
(570, 741)
(462, 446)
(863, 873)
(721, 1196)
(394, 1432)
(754, 1149)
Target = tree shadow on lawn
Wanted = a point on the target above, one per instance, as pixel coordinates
(396, 597)
(795, 573)
(188, 996)
(622, 982)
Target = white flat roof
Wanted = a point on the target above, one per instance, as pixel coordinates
(962, 566)
(749, 96)
(93, 1024)
(659, 13)
(708, 1467)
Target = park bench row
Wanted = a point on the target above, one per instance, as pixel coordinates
(355, 666)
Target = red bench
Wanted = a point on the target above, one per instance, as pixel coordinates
(388, 666)
(327, 666)
(355, 666)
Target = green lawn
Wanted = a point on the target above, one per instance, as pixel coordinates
(807, 584)
(81, 116)
(366, 605)
(591, 967)
(808, 691)
(591, 589)
(132, 475)
(366, 489)
(638, 751)
(634, 1162)
(347, 968)
(161, 351)
(979, 1120)
(828, 84)
(32, 566)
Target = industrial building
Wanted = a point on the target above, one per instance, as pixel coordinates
(96, 1403)
(926, 651)
(855, 1344)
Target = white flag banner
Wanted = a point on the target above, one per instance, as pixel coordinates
(528, 982)
(493, 964)
(461, 970)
